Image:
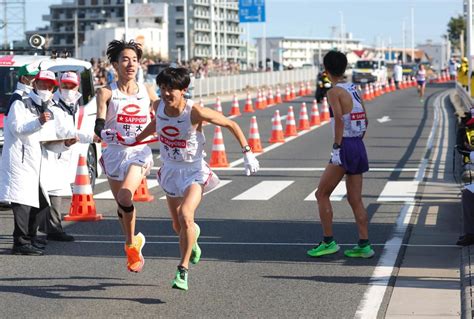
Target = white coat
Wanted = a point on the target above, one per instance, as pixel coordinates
(20, 168)
(398, 72)
(63, 166)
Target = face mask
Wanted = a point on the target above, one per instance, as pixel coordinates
(70, 96)
(24, 87)
(44, 95)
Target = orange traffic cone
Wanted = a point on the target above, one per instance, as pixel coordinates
(277, 129)
(315, 120)
(308, 88)
(254, 136)
(235, 110)
(292, 92)
(142, 194)
(393, 88)
(218, 105)
(218, 155)
(303, 122)
(248, 108)
(270, 100)
(260, 105)
(264, 99)
(290, 128)
(366, 96)
(302, 91)
(278, 96)
(287, 94)
(82, 202)
(325, 113)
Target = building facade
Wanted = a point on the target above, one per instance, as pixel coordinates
(298, 52)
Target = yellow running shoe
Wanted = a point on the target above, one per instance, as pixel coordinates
(135, 260)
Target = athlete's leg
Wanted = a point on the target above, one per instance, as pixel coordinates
(331, 177)
(422, 90)
(123, 193)
(174, 204)
(187, 234)
(354, 197)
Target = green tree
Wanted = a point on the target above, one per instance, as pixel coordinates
(455, 27)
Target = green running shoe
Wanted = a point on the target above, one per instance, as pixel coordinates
(196, 252)
(181, 279)
(324, 249)
(360, 252)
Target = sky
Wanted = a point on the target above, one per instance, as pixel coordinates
(371, 21)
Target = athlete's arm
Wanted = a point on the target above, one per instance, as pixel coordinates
(334, 99)
(200, 114)
(147, 131)
(103, 96)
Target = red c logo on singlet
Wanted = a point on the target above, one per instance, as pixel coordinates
(170, 131)
(131, 109)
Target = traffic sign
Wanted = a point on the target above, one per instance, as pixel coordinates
(251, 11)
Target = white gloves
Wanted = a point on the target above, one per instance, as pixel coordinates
(251, 164)
(126, 140)
(108, 135)
(336, 157)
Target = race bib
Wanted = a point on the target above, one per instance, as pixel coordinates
(358, 123)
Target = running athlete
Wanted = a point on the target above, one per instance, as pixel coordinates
(123, 107)
(348, 157)
(184, 175)
(421, 81)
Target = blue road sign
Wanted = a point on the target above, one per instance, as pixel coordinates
(251, 11)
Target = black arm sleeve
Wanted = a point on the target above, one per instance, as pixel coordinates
(99, 126)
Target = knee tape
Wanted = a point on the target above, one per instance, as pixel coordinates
(126, 209)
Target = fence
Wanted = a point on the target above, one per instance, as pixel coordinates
(241, 82)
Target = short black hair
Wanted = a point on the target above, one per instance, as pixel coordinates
(335, 62)
(116, 47)
(175, 78)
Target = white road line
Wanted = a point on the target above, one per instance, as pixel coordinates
(263, 190)
(148, 242)
(395, 191)
(221, 184)
(108, 194)
(337, 195)
(373, 296)
(432, 216)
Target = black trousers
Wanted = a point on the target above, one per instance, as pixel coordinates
(27, 220)
(467, 199)
(51, 223)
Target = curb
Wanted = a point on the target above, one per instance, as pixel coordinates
(466, 284)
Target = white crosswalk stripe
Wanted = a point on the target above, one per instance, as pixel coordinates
(263, 190)
(396, 191)
(337, 195)
(221, 184)
(108, 194)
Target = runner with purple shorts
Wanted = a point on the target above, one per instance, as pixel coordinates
(348, 157)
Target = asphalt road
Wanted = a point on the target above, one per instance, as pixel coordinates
(254, 261)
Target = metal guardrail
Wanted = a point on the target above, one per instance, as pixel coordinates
(463, 94)
(241, 82)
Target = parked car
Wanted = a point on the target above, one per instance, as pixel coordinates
(9, 65)
(366, 71)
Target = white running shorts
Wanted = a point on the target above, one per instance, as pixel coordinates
(116, 160)
(175, 179)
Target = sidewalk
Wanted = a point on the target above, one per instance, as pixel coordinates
(434, 277)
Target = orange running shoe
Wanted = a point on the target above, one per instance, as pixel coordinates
(135, 260)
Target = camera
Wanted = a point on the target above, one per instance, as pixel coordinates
(37, 41)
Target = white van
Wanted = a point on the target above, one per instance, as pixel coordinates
(9, 65)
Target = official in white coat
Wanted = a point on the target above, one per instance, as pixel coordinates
(68, 117)
(21, 177)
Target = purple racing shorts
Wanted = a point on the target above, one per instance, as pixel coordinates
(354, 156)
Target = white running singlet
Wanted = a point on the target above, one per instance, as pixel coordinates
(354, 122)
(180, 141)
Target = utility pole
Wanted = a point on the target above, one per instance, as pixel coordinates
(14, 20)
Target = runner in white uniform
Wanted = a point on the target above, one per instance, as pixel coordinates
(348, 157)
(184, 175)
(123, 110)
(421, 81)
